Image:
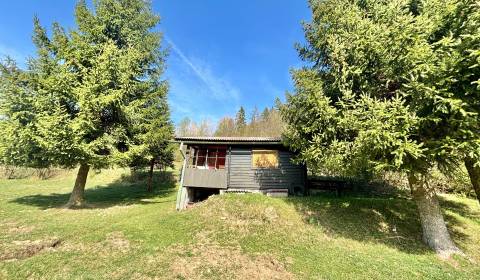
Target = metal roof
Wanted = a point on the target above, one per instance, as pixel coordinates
(229, 140)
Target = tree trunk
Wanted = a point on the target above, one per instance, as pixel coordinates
(474, 174)
(150, 176)
(76, 198)
(435, 233)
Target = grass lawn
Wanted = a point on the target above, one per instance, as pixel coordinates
(131, 234)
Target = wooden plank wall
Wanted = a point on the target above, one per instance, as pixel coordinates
(205, 178)
(243, 176)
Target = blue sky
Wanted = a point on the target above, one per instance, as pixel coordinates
(223, 53)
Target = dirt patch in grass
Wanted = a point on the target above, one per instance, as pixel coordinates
(117, 240)
(209, 260)
(27, 248)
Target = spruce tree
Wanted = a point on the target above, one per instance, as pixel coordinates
(90, 88)
(240, 121)
(153, 132)
(458, 79)
(19, 145)
(371, 98)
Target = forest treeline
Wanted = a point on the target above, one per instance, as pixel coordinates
(267, 123)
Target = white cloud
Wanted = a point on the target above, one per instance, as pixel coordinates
(196, 91)
(219, 87)
(188, 98)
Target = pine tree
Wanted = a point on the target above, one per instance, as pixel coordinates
(90, 86)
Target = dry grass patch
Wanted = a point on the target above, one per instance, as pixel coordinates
(114, 243)
(14, 228)
(209, 260)
(117, 241)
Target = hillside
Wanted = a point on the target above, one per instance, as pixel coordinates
(129, 233)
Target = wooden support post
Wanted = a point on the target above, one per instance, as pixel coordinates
(196, 158)
(182, 190)
(206, 159)
(229, 162)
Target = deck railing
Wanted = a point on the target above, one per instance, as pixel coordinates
(205, 178)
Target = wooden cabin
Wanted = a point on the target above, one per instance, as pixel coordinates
(217, 165)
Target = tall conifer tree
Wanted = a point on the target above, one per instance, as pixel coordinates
(92, 88)
(375, 95)
(240, 121)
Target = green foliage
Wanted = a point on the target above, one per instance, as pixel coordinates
(92, 95)
(388, 86)
(19, 144)
(153, 131)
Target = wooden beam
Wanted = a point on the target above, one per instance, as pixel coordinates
(228, 161)
(181, 190)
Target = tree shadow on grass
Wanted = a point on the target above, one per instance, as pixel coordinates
(127, 190)
(459, 207)
(462, 209)
(393, 222)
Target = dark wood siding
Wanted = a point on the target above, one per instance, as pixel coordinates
(242, 176)
(205, 178)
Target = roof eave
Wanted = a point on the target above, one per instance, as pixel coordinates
(210, 142)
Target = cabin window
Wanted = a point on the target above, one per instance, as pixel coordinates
(264, 159)
(209, 157)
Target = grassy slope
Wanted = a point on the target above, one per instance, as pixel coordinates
(129, 233)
